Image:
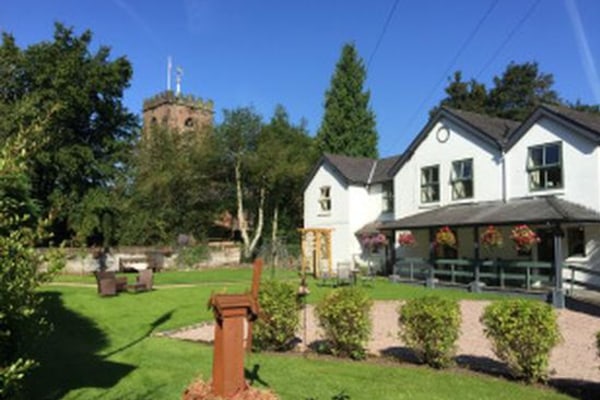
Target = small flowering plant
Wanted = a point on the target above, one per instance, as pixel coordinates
(373, 241)
(523, 237)
(492, 238)
(407, 239)
(445, 237)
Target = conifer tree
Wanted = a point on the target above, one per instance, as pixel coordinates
(348, 125)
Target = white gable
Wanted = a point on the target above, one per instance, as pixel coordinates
(438, 150)
(580, 165)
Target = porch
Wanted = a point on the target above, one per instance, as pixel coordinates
(561, 227)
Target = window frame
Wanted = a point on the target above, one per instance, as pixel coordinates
(325, 200)
(387, 197)
(454, 179)
(427, 184)
(544, 167)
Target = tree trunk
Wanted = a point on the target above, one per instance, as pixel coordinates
(259, 224)
(241, 217)
(274, 243)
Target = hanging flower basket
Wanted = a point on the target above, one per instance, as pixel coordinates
(373, 241)
(523, 238)
(407, 239)
(492, 238)
(445, 237)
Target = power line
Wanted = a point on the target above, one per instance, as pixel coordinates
(509, 37)
(462, 48)
(382, 34)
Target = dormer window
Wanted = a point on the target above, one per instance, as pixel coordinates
(430, 184)
(462, 179)
(325, 199)
(387, 197)
(544, 165)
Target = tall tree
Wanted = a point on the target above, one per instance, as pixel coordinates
(238, 140)
(515, 93)
(285, 154)
(89, 133)
(175, 190)
(520, 89)
(348, 125)
(468, 96)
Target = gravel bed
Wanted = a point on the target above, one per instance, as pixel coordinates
(574, 359)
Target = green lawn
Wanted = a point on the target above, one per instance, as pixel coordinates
(103, 348)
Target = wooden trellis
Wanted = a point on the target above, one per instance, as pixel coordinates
(316, 248)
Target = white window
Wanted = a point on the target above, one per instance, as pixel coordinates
(544, 165)
(430, 184)
(387, 197)
(325, 199)
(462, 179)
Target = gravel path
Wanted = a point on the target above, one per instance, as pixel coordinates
(574, 359)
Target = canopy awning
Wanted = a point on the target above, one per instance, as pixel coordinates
(536, 210)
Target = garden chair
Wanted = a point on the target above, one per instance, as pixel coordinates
(109, 284)
(144, 281)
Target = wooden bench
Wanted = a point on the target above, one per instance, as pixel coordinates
(132, 263)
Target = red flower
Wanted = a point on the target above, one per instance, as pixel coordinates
(407, 239)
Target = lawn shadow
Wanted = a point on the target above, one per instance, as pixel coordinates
(68, 355)
(155, 324)
(252, 376)
(578, 389)
(401, 353)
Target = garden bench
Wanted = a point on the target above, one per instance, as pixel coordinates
(132, 263)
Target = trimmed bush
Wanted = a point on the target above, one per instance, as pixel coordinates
(344, 315)
(278, 321)
(522, 333)
(430, 326)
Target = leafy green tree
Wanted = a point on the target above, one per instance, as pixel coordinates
(89, 133)
(237, 138)
(520, 89)
(348, 125)
(285, 155)
(515, 94)
(176, 188)
(21, 313)
(468, 96)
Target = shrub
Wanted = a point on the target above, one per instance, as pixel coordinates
(278, 321)
(189, 256)
(344, 315)
(430, 326)
(522, 333)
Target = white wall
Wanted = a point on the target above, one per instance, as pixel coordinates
(487, 170)
(580, 164)
(351, 208)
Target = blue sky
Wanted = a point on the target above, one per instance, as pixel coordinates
(264, 52)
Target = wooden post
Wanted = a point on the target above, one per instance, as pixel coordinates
(558, 294)
(430, 282)
(231, 312)
(476, 284)
(256, 273)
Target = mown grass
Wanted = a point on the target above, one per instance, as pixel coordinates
(104, 348)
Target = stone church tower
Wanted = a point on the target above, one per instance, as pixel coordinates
(177, 112)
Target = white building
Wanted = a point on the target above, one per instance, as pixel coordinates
(467, 171)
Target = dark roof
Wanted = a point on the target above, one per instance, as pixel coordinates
(585, 119)
(490, 129)
(383, 169)
(584, 123)
(529, 210)
(355, 170)
(496, 128)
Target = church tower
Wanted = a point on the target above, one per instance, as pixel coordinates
(176, 111)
